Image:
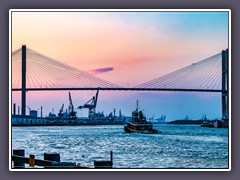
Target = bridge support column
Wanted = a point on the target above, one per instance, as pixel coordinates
(225, 83)
(24, 80)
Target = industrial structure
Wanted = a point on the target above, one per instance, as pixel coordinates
(72, 113)
(91, 105)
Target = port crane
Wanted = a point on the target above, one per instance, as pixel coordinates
(91, 105)
(60, 114)
(72, 113)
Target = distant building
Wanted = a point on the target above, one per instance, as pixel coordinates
(33, 113)
(52, 115)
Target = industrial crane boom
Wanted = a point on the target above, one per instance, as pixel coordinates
(70, 102)
(60, 114)
(91, 105)
(72, 113)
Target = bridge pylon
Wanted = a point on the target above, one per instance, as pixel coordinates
(24, 51)
(225, 85)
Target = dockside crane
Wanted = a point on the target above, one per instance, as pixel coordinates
(91, 105)
(60, 114)
(72, 113)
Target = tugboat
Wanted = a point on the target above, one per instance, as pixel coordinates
(139, 124)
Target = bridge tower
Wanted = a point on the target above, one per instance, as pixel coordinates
(225, 85)
(24, 80)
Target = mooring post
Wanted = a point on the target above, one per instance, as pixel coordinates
(24, 80)
(19, 152)
(52, 157)
(31, 160)
(111, 157)
(104, 164)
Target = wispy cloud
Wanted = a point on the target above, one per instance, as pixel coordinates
(101, 70)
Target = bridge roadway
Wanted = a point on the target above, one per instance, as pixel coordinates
(120, 89)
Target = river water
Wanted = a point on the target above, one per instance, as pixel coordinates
(178, 146)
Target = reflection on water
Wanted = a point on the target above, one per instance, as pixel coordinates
(177, 147)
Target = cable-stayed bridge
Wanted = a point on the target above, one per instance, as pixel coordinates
(33, 71)
(45, 73)
(205, 75)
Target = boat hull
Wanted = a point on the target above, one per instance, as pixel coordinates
(150, 131)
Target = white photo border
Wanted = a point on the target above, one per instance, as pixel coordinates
(116, 10)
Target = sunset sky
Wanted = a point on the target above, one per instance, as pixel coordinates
(126, 48)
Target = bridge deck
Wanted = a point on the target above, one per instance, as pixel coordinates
(119, 89)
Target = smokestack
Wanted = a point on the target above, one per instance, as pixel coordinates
(14, 109)
(41, 111)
